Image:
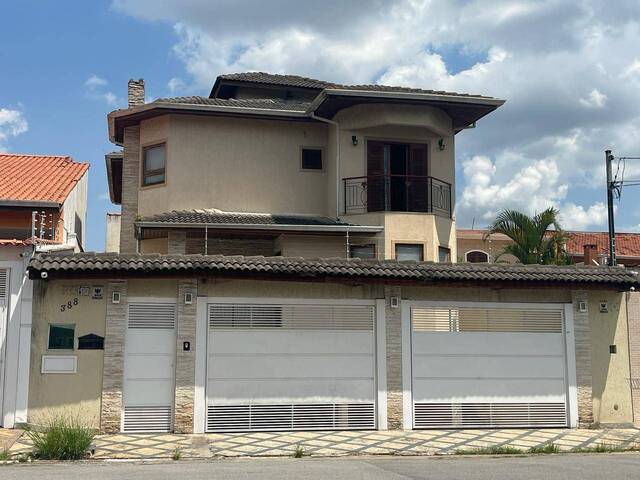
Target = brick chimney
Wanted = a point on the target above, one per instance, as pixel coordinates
(590, 254)
(135, 92)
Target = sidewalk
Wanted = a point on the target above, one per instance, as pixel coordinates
(419, 442)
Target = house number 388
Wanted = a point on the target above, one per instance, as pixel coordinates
(69, 305)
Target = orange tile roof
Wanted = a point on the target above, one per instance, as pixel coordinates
(38, 177)
(627, 244)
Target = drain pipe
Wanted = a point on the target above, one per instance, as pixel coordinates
(331, 122)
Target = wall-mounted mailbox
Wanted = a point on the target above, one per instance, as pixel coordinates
(91, 342)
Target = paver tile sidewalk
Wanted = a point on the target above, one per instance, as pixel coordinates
(425, 442)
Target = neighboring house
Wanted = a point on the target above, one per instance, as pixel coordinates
(285, 264)
(43, 202)
(591, 248)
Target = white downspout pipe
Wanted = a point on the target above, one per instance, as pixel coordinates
(331, 122)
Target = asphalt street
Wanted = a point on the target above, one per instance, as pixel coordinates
(547, 467)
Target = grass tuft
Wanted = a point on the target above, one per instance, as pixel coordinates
(546, 448)
(492, 450)
(61, 436)
(298, 452)
(177, 454)
(606, 448)
(5, 455)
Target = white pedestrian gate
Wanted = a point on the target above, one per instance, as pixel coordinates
(149, 367)
(290, 366)
(479, 365)
(4, 314)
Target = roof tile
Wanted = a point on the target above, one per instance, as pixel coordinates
(38, 177)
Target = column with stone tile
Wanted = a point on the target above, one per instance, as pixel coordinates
(394, 360)
(582, 329)
(113, 368)
(185, 359)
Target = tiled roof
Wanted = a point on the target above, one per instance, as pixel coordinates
(312, 83)
(627, 244)
(254, 103)
(275, 79)
(355, 269)
(38, 177)
(213, 216)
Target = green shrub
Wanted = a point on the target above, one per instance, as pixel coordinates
(61, 436)
(492, 450)
(546, 448)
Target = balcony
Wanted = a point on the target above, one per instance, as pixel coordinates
(397, 193)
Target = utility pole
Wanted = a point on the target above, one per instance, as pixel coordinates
(612, 228)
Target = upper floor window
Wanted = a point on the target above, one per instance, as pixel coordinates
(409, 251)
(444, 254)
(311, 158)
(153, 165)
(362, 251)
(477, 256)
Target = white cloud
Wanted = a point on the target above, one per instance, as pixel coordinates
(576, 217)
(12, 124)
(566, 69)
(595, 99)
(96, 88)
(175, 85)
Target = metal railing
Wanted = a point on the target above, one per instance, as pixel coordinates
(397, 193)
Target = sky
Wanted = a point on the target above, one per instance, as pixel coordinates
(569, 71)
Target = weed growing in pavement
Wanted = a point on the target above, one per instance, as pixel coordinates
(61, 436)
(177, 454)
(492, 450)
(546, 448)
(298, 452)
(5, 455)
(606, 448)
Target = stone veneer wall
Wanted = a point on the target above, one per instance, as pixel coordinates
(113, 370)
(584, 378)
(185, 360)
(130, 179)
(633, 318)
(393, 325)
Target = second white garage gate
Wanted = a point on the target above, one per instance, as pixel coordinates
(489, 365)
(286, 365)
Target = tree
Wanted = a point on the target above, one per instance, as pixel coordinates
(534, 241)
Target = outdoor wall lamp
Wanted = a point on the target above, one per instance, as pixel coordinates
(354, 140)
(441, 144)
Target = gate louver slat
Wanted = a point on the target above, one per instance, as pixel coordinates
(147, 419)
(4, 280)
(152, 315)
(302, 317)
(498, 415)
(230, 418)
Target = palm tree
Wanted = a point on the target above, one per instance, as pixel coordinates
(533, 239)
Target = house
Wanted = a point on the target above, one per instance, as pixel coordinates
(591, 248)
(43, 202)
(287, 261)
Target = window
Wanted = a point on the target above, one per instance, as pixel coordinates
(153, 165)
(61, 337)
(476, 256)
(362, 251)
(409, 251)
(312, 159)
(444, 254)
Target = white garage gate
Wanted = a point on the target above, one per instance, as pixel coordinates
(489, 365)
(290, 365)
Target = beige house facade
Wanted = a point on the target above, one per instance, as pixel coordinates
(288, 260)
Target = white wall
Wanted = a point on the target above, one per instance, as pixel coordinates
(76, 205)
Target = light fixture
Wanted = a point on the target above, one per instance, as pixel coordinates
(441, 144)
(354, 140)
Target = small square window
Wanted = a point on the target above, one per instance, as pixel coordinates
(362, 251)
(409, 252)
(61, 337)
(312, 159)
(444, 255)
(153, 167)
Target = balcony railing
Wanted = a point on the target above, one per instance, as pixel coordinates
(397, 193)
